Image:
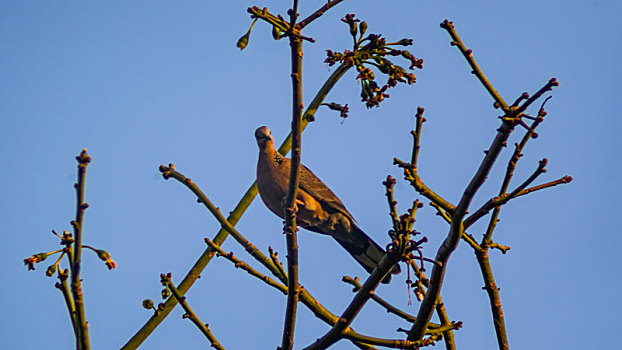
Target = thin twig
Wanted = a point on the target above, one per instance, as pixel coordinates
(447, 327)
(547, 87)
(63, 286)
(468, 55)
(410, 169)
(275, 260)
(495, 299)
(564, 180)
(319, 12)
(277, 21)
(83, 340)
(389, 183)
(504, 198)
(246, 267)
(204, 328)
(502, 248)
(411, 175)
(417, 135)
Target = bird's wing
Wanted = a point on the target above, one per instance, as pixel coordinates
(318, 190)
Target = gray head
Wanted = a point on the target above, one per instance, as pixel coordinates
(263, 135)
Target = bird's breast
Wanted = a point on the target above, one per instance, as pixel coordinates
(272, 185)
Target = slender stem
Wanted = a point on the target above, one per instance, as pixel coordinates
(504, 198)
(389, 183)
(289, 206)
(494, 298)
(417, 135)
(139, 337)
(190, 314)
(278, 22)
(63, 286)
(319, 12)
(468, 55)
(76, 284)
(447, 326)
(309, 114)
(411, 175)
(275, 260)
(564, 180)
(246, 267)
(293, 14)
(547, 87)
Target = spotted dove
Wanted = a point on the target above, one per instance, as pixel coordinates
(319, 209)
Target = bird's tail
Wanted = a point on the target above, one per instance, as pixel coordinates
(364, 250)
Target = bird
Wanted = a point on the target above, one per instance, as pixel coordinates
(319, 209)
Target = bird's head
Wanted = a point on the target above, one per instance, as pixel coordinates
(263, 136)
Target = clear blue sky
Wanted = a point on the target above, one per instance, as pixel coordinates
(146, 83)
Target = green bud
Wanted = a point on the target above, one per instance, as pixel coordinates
(148, 304)
(363, 27)
(50, 271)
(165, 293)
(276, 33)
(102, 254)
(243, 41)
(41, 256)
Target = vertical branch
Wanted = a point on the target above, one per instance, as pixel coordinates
(494, 297)
(417, 135)
(83, 341)
(422, 280)
(290, 200)
(482, 255)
